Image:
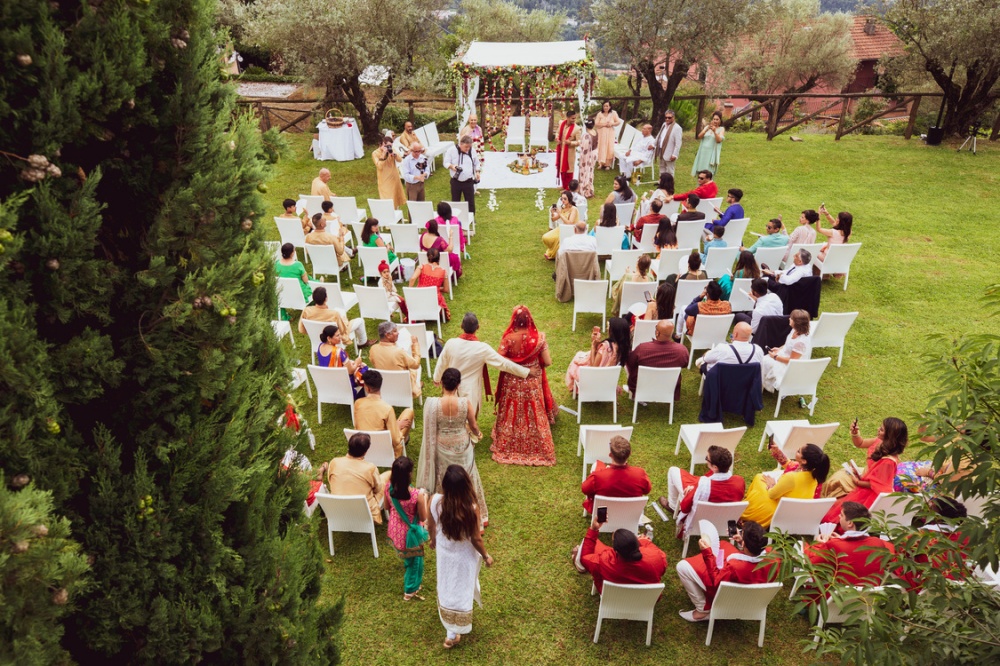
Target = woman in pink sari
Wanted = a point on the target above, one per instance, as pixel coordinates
(525, 407)
(877, 478)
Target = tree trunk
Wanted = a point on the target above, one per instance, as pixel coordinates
(368, 117)
(965, 104)
(662, 96)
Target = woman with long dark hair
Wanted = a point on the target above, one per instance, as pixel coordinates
(613, 350)
(801, 479)
(838, 235)
(891, 429)
(877, 478)
(621, 193)
(407, 507)
(662, 305)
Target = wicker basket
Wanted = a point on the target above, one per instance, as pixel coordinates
(334, 118)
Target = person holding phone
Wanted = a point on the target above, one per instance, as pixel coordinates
(891, 429)
(612, 350)
(631, 559)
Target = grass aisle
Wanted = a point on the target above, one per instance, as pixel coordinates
(928, 253)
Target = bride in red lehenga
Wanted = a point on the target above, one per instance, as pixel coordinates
(524, 407)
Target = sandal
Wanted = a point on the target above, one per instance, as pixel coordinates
(414, 595)
(449, 643)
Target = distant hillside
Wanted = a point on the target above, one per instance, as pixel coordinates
(573, 7)
(847, 6)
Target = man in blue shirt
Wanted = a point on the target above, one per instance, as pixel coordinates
(733, 212)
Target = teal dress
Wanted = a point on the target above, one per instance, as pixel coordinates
(294, 270)
(709, 152)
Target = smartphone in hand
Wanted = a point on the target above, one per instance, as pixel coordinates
(602, 514)
(731, 525)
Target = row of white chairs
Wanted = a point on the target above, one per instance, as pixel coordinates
(516, 128)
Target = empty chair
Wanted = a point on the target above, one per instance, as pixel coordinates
(719, 261)
(384, 210)
(609, 239)
(699, 436)
(435, 146)
(801, 378)
(655, 385)
(789, 436)
(397, 389)
(690, 233)
(290, 294)
(324, 261)
(628, 602)
(290, 230)
(333, 386)
(770, 257)
(838, 260)
(347, 513)
(590, 296)
(645, 244)
(708, 206)
(839, 610)
(735, 230)
(274, 247)
(896, 507)
(310, 203)
(515, 133)
(373, 303)
(371, 257)
(347, 209)
(742, 602)
(624, 513)
(711, 330)
(421, 212)
(281, 329)
(625, 213)
(425, 340)
(670, 263)
(739, 298)
(717, 513)
(644, 331)
(595, 442)
(800, 516)
(636, 292)
(406, 238)
(538, 134)
(830, 330)
(565, 231)
(422, 305)
(335, 298)
(381, 453)
(598, 385)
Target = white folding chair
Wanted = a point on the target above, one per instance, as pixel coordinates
(347, 209)
(335, 297)
(710, 330)
(274, 247)
(333, 386)
(719, 261)
(625, 212)
(895, 507)
(812, 248)
(384, 210)
(565, 231)
(655, 385)
(708, 206)
(348, 513)
(453, 234)
(801, 378)
(830, 330)
(628, 602)
(421, 212)
(290, 231)
(800, 516)
(444, 263)
(645, 244)
(515, 133)
(769, 256)
(595, 442)
(538, 132)
(598, 385)
(590, 296)
(371, 257)
(620, 260)
(670, 263)
(324, 261)
(839, 610)
(735, 229)
(313, 331)
(406, 238)
(397, 389)
(636, 292)
(686, 291)
(425, 340)
(422, 305)
(699, 436)
(381, 453)
(644, 331)
(609, 240)
(793, 434)
(624, 513)
(310, 203)
(290, 294)
(281, 329)
(838, 260)
(742, 602)
(690, 233)
(628, 136)
(373, 303)
(717, 513)
(435, 145)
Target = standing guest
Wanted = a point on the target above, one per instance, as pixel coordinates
(805, 233)
(621, 193)
(470, 356)
(877, 478)
(709, 302)
(432, 275)
(318, 310)
(289, 205)
(320, 236)
(373, 414)
(850, 549)
(765, 304)
(415, 172)
(660, 352)
(353, 475)
(707, 188)
(800, 479)
(567, 139)
(464, 168)
(839, 234)
(668, 144)
(450, 432)
(474, 131)
(654, 217)
(619, 479)
(407, 508)
(525, 407)
(588, 157)
(631, 559)
(734, 210)
(290, 267)
(385, 159)
(605, 123)
(456, 535)
(741, 350)
(387, 355)
(775, 236)
(319, 185)
(432, 239)
(640, 153)
(892, 429)
(710, 146)
(685, 490)
(408, 137)
(798, 344)
(612, 351)
(565, 212)
(371, 238)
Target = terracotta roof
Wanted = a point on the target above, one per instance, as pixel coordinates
(874, 46)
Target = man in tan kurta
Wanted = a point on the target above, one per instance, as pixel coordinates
(386, 355)
(351, 475)
(408, 136)
(320, 187)
(373, 413)
(389, 185)
(318, 310)
(320, 236)
(290, 207)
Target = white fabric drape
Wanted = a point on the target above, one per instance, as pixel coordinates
(468, 103)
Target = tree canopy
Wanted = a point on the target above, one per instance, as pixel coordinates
(502, 21)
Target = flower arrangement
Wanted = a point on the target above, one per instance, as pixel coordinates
(527, 163)
(492, 204)
(540, 199)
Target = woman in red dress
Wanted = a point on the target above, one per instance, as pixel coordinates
(432, 275)
(878, 478)
(524, 407)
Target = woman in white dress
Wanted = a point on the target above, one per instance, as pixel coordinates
(798, 345)
(456, 535)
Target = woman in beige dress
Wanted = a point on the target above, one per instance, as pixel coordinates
(605, 123)
(389, 185)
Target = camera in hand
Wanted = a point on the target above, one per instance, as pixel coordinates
(422, 164)
(458, 171)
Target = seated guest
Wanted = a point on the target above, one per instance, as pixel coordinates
(653, 218)
(631, 560)
(708, 302)
(660, 352)
(694, 271)
(804, 234)
(662, 305)
(640, 153)
(580, 241)
(319, 187)
(714, 239)
(330, 354)
(738, 562)
(666, 236)
(612, 351)
(432, 275)
(798, 344)
(891, 429)
(765, 304)
(289, 205)
(373, 413)
(566, 214)
(396, 301)
(689, 210)
(850, 552)
(408, 136)
(386, 355)
(801, 478)
(432, 239)
(639, 273)
(351, 475)
(444, 217)
(800, 268)
(320, 236)
(664, 187)
(685, 490)
(371, 238)
(740, 350)
(876, 479)
(745, 268)
(773, 238)
(734, 211)
(707, 188)
(621, 193)
(579, 200)
(840, 232)
(318, 310)
(946, 557)
(619, 479)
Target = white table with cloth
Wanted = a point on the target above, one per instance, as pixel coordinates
(338, 143)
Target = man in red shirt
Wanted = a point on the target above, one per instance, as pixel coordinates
(653, 219)
(631, 560)
(685, 490)
(660, 352)
(701, 574)
(850, 551)
(707, 189)
(618, 479)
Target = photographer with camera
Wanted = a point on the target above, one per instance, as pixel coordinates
(463, 164)
(385, 159)
(415, 172)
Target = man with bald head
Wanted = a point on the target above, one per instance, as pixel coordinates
(415, 170)
(740, 350)
(660, 352)
(580, 241)
(640, 153)
(320, 187)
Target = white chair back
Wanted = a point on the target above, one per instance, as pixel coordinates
(421, 212)
(290, 294)
(739, 298)
(460, 209)
(801, 378)
(636, 292)
(620, 261)
(770, 257)
(290, 231)
(830, 330)
(432, 134)
(708, 206)
(719, 261)
(539, 132)
(274, 247)
(313, 330)
(628, 602)
(710, 330)
(335, 298)
(627, 136)
(671, 262)
(895, 507)
(397, 389)
(590, 296)
(644, 331)
(646, 242)
(812, 248)
(347, 209)
(624, 513)
(381, 453)
(373, 302)
(717, 513)
(347, 513)
(324, 260)
(565, 231)
(371, 257)
(425, 340)
(690, 233)
(790, 436)
(609, 239)
(655, 385)
(406, 238)
(742, 602)
(310, 203)
(800, 516)
(515, 132)
(333, 386)
(598, 385)
(425, 140)
(422, 304)
(686, 291)
(735, 229)
(384, 210)
(625, 212)
(596, 443)
(838, 260)
(699, 437)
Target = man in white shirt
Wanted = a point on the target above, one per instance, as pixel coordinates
(463, 164)
(580, 241)
(741, 350)
(668, 143)
(640, 153)
(766, 304)
(415, 170)
(800, 268)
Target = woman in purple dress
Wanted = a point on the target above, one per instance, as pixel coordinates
(432, 239)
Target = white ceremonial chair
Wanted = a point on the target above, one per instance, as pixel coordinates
(645, 244)
(290, 231)
(598, 385)
(609, 240)
(347, 209)
(274, 247)
(335, 297)
(425, 340)
(583, 210)
(801, 378)
(636, 292)
(620, 261)
(348, 513)
(453, 234)
(690, 233)
(371, 257)
(590, 296)
(565, 231)
(628, 136)
(421, 212)
(697, 437)
(686, 291)
(460, 209)
(310, 203)
(628, 602)
(444, 263)
(739, 298)
(397, 389)
(719, 261)
(792, 434)
(422, 305)
(281, 329)
(625, 212)
(812, 248)
(596, 444)
(435, 146)
(373, 303)
(333, 387)
(839, 610)
(709, 330)
(644, 331)
(735, 230)
(406, 238)
(324, 261)
(838, 260)
(895, 507)
(742, 602)
(313, 331)
(769, 256)
(538, 134)
(515, 133)
(425, 141)
(830, 330)
(717, 513)
(290, 294)
(800, 517)
(624, 513)
(384, 210)
(670, 263)
(708, 206)
(381, 453)
(655, 385)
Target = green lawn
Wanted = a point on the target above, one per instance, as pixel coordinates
(925, 261)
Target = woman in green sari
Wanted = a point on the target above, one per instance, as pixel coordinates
(407, 515)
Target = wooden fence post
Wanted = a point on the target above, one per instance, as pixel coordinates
(996, 129)
(701, 112)
(843, 118)
(913, 118)
(410, 106)
(772, 118)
